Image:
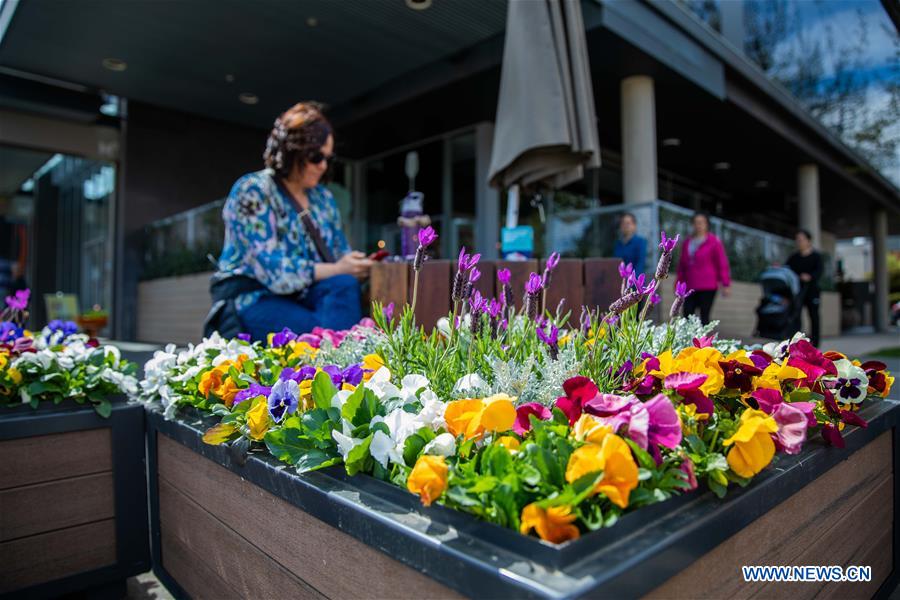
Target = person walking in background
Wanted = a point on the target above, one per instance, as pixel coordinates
(808, 265)
(703, 266)
(630, 247)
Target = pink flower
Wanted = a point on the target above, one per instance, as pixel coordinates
(578, 390)
(704, 342)
(604, 405)
(687, 385)
(807, 358)
(665, 426)
(524, 412)
(832, 436)
(687, 467)
(19, 301)
(792, 426)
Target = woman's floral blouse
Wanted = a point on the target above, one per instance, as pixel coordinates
(265, 239)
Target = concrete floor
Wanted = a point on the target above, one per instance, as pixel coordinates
(147, 587)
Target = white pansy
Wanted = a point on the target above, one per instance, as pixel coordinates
(470, 385)
(778, 350)
(383, 448)
(345, 442)
(442, 445)
(851, 383)
(340, 398)
(381, 386)
(232, 350)
(42, 358)
(114, 352)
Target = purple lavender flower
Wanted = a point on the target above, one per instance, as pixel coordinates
(668, 244)
(283, 337)
(585, 320)
(533, 285)
(19, 301)
(681, 292)
(283, 399)
(532, 289)
(388, 311)
(427, 236)
(474, 275)
(552, 262)
(551, 338)
(625, 302)
(625, 272)
(506, 294)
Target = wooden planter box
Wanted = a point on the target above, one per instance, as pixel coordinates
(73, 500)
(222, 530)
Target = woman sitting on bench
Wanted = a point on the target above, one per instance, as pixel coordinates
(286, 261)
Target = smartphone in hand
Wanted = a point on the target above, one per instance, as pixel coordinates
(379, 255)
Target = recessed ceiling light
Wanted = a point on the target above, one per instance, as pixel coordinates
(761, 184)
(229, 78)
(671, 142)
(114, 64)
(418, 4)
(722, 166)
(248, 98)
(312, 21)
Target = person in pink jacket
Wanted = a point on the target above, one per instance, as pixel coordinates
(704, 267)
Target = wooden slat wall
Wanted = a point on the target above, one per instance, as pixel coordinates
(172, 309)
(57, 510)
(845, 517)
(253, 544)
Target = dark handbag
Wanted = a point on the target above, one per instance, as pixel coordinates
(223, 316)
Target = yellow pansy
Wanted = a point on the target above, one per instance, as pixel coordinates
(705, 361)
(553, 524)
(302, 351)
(753, 446)
(613, 457)
(589, 429)
(3, 360)
(472, 417)
(428, 478)
(509, 442)
(371, 363)
(16, 376)
(258, 418)
(774, 374)
(210, 382)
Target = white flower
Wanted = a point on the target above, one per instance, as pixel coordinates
(344, 441)
(380, 384)
(383, 448)
(851, 383)
(114, 352)
(340, 398)
(442, 445)
(42, 358)
(232, 350)
(469, 385)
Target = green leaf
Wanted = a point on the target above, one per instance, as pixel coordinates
(356, 458)
(643, 457)
(412, 448)
(288, 445)
(696, 444)
(219, 434)
(353, 404)
(316, 419)
(317, 459)
(104, 408)
(323, 390)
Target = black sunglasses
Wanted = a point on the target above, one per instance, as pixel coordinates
(318, 156)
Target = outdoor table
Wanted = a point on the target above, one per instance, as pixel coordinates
(224, 525)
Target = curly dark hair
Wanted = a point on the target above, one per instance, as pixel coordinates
(297, 134)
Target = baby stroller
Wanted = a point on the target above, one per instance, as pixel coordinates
(779, 307)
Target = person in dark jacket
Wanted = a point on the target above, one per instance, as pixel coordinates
(807, 263)
(630, 247)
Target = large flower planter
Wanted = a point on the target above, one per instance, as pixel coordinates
(228, 526)
(73, 499)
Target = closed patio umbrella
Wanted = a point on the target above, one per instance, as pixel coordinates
(546, 128)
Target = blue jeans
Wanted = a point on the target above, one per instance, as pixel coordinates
(331, 303)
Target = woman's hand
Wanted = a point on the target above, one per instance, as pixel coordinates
(354, 263)
(726, 291)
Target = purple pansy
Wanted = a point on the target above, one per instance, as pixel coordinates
(253, 391)
(283, 337)
(283, 399)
